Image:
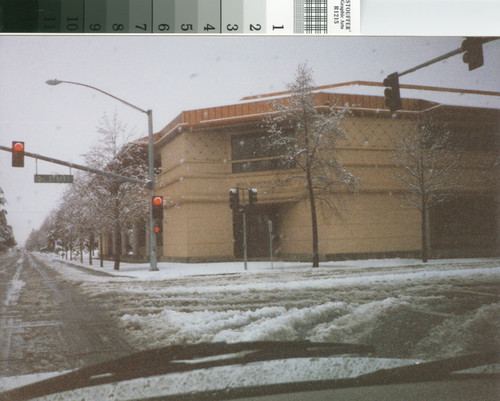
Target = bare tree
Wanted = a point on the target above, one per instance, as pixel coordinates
(44, 237)
(79, 213)
(65, 222)
(118, 203)
(429, 168)
(6, 234)
(306, 137)
(93, 204)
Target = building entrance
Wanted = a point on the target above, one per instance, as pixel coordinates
(257, 222)
(464, 227)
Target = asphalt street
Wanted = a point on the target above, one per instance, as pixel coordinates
(47, 324)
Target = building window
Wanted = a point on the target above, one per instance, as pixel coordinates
(256, 154)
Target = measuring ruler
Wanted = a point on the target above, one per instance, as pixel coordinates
(247, 17)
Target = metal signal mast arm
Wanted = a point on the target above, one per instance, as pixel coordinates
(113, 176)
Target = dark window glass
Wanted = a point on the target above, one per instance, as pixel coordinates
(243, 147)
(256, 146)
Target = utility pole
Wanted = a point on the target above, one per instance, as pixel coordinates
(244, 217)
(237, 204)
(245, 258)
(270, 225)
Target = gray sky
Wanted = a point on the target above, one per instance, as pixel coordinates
(172, 74)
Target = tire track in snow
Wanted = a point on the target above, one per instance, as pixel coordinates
(7, 318)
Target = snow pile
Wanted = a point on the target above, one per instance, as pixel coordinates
(291, 324)
(268, 323)
(357, 324)
(462, 334)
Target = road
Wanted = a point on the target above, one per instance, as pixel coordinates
(47, 324)
(427, 311)
(55, 316)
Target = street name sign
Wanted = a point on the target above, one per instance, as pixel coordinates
(53, 179)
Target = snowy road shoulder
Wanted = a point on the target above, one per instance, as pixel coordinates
(363, 270)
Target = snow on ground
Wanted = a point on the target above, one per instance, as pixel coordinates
(408, 308)
(15, 286)
(227, 377)
(7, 383)
(167, 270)
(405, 308)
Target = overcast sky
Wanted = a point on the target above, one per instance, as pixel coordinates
(172, 74)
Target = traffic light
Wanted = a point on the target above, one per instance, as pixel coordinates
(157, 204)
(17, 154)
(234, 199)
(252, 196)
(473, 52)
(391, 92)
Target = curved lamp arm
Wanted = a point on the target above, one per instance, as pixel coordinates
(54, 82)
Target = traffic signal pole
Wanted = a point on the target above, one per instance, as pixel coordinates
(472, 49)
(245, 253)
(236, 206)
(462, 49)
(152, 234)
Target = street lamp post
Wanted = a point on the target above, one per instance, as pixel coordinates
(151, 178)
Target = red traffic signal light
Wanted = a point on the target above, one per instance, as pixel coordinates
(18, 146)
(157, 228)
(391, 92)
(17, 154)
(157, 205)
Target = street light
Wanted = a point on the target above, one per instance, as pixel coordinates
(149, 113)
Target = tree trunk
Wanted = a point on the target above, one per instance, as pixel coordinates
(101, 251)
(116, 266)
(118, 249)
(91, 248)
(428, 232)
(312, 202)
(424, 232)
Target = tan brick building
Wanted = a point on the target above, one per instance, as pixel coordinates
(206, 152)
